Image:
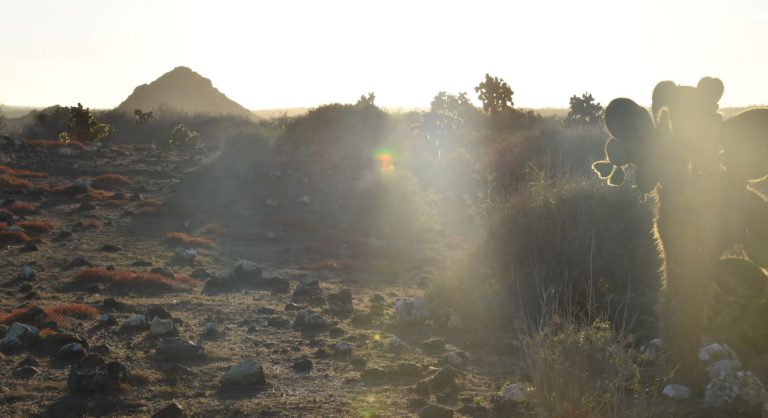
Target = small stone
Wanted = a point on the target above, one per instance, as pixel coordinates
(109, 248)
(25, 372)
(18, 336)
(247, 372)
(177, 348)
(107, 319)
(303, 365)
(26, 274)
(395, 344)
(135, 323)
(340, 303)
(172, 410)
(411, 311)
(209, 329)
(71, 352)
(247, 271)
(676, 392)
(76, 262)
(159, 327)
(342, 349)
(308, 320)
(307, 290)
(304, 199)
(435, 411)
(30, 246)
(185, 254)
(652, 348)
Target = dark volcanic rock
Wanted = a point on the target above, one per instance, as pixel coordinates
(303, 365)
(172, 410)
(178, 348)
(340, 303)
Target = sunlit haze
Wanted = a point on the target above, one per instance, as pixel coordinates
(278, 54)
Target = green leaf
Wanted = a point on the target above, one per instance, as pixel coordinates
(740, 278)
(603, 168)
(617, 177)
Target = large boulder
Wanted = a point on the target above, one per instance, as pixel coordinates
(411, 311)
(739, 392)
(246, 271)
(18, 336)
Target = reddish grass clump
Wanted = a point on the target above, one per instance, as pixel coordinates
(52, 313)
(14, 237)
(11, 182)
(110, 180)
(116, 203)
(95, 195)
(19, 172)
(92, 223)
(37, 226)
(149, 203)
(215, 230)
(142, 280)
(75, 310)
(181, 238)
(22, 208)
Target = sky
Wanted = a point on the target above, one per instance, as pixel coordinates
(280, 54)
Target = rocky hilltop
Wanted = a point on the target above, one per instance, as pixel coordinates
(184, 90)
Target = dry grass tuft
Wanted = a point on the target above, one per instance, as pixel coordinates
(22, 208)
(110, 180)
(14, 237)
(180, 238)
(149, 203)
(141, 280)
(15, 183)
(18, 172)
(37, 226)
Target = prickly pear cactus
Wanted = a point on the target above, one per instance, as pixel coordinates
(698, 167)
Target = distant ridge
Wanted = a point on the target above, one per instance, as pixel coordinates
(183, 90)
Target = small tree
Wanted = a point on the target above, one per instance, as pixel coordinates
(584, 111)
(82, 126)
(182, 137)
(366, 100)
(142, 117)
(495, 94)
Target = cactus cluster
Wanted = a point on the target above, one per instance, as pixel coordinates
(699, 167)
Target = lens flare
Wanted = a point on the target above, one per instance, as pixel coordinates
(385, 158)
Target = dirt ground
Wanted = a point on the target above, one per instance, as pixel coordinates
(249, 216)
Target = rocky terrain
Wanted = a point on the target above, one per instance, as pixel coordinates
(135, 294)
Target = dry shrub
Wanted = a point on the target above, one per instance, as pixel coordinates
(37, 226)
(110, 180)
(11, 182)
(44, 143)
(180, 238)
(22, 208)
(67, 189)
(19, 172)
(137, 280)
(3, 225)
(14, 237)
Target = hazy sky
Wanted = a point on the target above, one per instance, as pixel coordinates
(273, 54)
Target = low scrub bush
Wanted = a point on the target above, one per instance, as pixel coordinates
(180, 238)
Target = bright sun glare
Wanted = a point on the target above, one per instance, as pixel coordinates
(304, 53)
